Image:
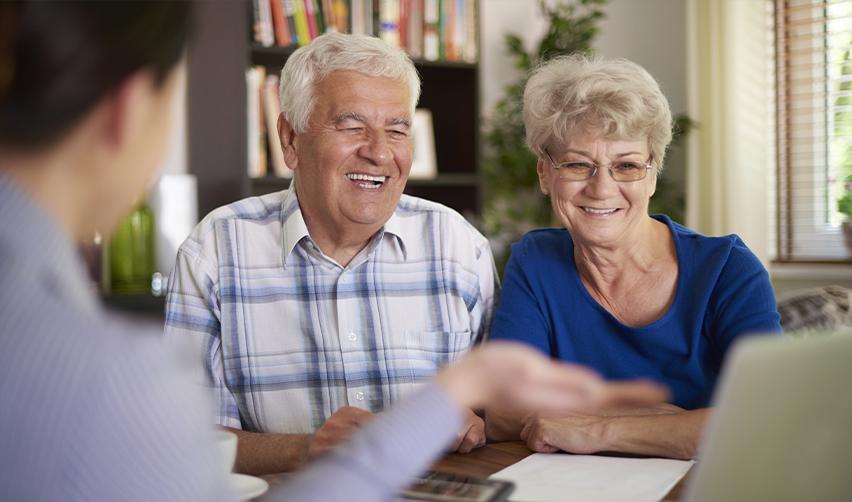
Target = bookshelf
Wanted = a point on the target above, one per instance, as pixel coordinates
(217, 118)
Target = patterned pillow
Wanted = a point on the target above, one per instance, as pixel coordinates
(818, 309)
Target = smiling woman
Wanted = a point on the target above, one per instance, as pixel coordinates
(630, 294)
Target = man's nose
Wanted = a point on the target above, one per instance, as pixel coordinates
(377, 149)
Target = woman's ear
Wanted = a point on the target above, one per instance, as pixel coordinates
(288, 142)
(541, 168)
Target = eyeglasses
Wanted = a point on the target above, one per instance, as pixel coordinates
(621, 170)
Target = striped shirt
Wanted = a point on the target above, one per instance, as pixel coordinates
(287, 336)
(94, 409)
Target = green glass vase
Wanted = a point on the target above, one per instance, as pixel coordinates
(132, 259)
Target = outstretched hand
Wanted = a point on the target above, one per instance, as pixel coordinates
(506, 373)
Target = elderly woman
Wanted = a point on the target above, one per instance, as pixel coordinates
(628, 294)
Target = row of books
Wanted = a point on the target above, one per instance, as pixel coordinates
(427, 29)
(264, 107)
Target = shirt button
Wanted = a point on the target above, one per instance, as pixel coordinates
(352, 336)
(359, 396)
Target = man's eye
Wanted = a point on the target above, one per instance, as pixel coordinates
(398, 134)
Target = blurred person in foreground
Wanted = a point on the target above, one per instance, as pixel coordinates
(629, 294)
(378, 288)
(95, 409)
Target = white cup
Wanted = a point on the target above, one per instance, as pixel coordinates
(226, 445)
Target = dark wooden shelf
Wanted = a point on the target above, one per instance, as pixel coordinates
(136, 303)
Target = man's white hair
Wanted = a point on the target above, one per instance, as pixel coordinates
(340, 52)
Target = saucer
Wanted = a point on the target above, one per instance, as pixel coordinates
(248, 487)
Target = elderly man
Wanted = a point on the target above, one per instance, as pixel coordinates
(316, 306)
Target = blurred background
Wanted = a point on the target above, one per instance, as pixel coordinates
(762, 92)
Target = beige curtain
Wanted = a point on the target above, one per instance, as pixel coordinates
(730, 172)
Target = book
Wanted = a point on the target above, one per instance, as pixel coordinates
(431, 19)
(290, 13)
(311, 17)
(414, 32)
(389, 21)
(263, 33)
(301, 20)
(256, 140)
(272, 109)
(279, 23)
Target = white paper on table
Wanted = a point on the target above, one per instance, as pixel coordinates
(543, 477)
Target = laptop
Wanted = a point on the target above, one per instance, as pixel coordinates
(782, 425)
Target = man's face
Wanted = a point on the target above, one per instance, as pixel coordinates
(353, 160)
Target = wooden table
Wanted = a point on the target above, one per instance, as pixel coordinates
(493, 457)
(485, 461)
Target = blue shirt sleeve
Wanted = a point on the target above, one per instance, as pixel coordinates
(519, 316)
(743, 301)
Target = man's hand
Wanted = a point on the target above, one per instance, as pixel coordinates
(574, 434)
(337, 429)
(472, 434)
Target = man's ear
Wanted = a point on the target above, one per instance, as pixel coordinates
(288, 142)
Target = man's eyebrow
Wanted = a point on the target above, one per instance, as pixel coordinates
(399, 121)
(343, 117)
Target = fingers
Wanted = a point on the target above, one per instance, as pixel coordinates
(472, 435)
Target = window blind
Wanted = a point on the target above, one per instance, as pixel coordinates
(813, 51)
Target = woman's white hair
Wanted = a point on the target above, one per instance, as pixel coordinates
(616, 97)
(339, 52)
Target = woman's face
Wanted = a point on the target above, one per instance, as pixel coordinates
(598, 211)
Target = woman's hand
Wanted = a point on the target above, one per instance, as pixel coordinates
(573, 433)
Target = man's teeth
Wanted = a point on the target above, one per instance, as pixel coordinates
(598, 211)
(366, 177)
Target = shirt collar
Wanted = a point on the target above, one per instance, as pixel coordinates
(294, 228)
(35, 239)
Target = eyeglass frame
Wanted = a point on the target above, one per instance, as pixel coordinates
(648, 166)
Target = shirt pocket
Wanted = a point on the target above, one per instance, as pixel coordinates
(429, 351)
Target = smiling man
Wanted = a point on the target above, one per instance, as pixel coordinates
(315, 307)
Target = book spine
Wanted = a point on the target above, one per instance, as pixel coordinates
(431, 17)
(389, 22)
(471, 36)
(301, 19)
(356, 12)
(267, 38)
(414, 32)
(404, 9)
(273, 109)
(341, 15)
(311, 18)
(279, 23)
(290, 12)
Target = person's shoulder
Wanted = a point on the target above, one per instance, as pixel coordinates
(256, 211)
(728, 250)
(445, 219)
(543, 242)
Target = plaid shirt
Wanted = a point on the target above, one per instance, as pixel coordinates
(288, 336)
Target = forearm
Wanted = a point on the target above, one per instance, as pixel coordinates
(266, 453)
(671, 435)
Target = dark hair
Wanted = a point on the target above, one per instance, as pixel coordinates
(59, 58)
